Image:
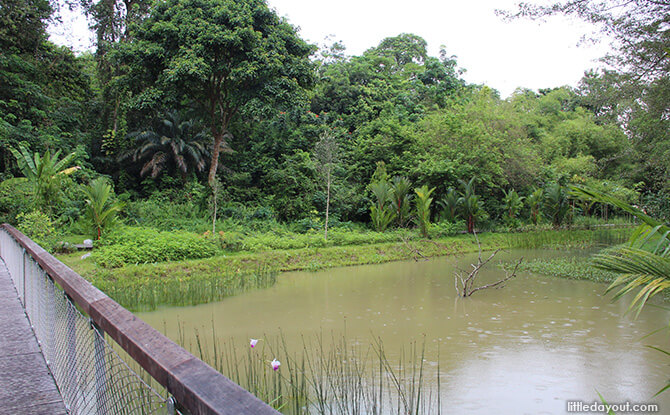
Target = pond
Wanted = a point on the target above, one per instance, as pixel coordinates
(526, 348)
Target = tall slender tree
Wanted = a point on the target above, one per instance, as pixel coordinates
(326, 152)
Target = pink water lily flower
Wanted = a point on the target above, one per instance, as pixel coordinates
(275, 364)
(253, 342)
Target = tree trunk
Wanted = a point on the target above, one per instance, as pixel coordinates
(216, 150)
(325, 234)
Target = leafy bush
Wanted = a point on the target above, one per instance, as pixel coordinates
(38, 227)
(15, 198)
(446, 228)
(166, 215)
(284, 239)
(143, 245)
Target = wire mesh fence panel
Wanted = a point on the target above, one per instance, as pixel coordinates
(90, 374)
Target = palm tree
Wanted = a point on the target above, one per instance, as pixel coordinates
(513, 203)
(44, 173)
(401, 199)
(100, 210)
(423, 201)
(469, 204)
(534, 201)
(556, 204)
(381, 212)
(645, 262)
(449, 205)
(174, 144)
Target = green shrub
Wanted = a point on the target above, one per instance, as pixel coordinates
(38, 227)
(445, 228)
(143, 245)
(15, 198)
(165, 215)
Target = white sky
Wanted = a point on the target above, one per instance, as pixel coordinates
(499, 54)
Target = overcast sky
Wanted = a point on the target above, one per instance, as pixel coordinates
(503, 55)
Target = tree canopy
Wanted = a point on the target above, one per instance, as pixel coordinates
(227, 57)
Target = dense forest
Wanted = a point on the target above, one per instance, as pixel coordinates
(201, 106)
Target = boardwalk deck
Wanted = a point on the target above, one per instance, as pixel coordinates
(26, 385)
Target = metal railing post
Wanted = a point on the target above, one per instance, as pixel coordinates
(51, 320)
(100, 368)
(72, 355)
(169, 407)
(24, 278)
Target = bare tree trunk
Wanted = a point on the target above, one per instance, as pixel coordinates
(215, 201)
(468, 281)
(216, 150)
(325, 235)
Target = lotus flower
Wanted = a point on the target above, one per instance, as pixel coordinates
(253, 342)
(275, 364)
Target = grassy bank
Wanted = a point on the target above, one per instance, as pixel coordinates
(147, 286)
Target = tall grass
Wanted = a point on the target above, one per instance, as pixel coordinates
(327, 376)
(149, 293)
(569, 239)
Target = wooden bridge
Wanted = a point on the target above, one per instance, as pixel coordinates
(26, 384)
(34, 330)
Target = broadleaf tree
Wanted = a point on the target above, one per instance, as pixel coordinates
(227, 57)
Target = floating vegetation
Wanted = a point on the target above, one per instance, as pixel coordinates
(573, 268)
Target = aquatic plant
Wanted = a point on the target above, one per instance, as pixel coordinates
(327, 376)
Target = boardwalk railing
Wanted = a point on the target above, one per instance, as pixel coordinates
(70, 318)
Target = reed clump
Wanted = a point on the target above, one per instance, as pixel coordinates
(327, 375)
(569, 239)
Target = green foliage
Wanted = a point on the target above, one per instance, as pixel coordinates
(573, 268)
(228, 56)
(174, 144)
(101, 210)
(240, 70)
(444, 229)
(470, 208)
(38, 227)
(166, 215)
(381, 212)
(143, 245)
(568, 238)
(143, 291)
(513, 203)
(275, 240)
(449, 205)
(645, 263)
(45, 173)
(556, 205)
(294, 183)
(41, 104)
(16, 196)
(534, 202)
(422, 206)
(401, 199)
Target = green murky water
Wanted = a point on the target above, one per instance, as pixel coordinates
(526, 348)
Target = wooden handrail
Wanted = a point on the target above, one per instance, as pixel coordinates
(195, 385)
